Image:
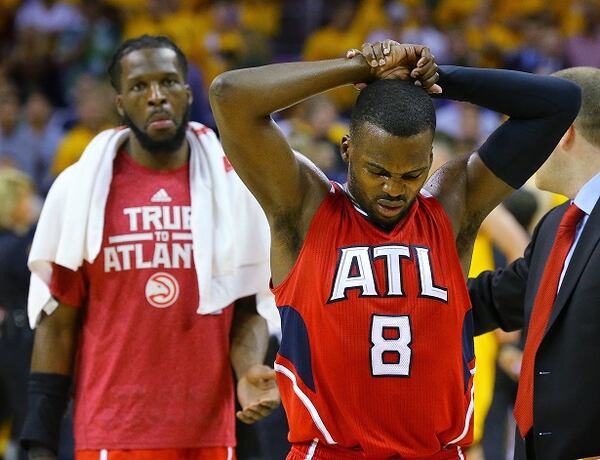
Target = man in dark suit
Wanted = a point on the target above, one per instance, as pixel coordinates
(553, 293)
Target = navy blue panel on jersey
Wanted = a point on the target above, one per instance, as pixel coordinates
(295, 346)
(468, 347)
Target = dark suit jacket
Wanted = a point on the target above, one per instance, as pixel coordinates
(566, 405)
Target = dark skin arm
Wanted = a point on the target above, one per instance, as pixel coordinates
(56, 341)
(54, 350)
(256, 388)
(468, 191)
(242, 102)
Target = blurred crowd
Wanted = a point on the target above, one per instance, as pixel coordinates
(54, 97)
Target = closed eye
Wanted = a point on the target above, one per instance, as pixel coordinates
(379, 173)
(413, 175)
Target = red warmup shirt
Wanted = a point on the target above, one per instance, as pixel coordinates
(150, 371)
(377, 349)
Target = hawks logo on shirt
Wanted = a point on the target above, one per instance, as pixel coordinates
(162, 290)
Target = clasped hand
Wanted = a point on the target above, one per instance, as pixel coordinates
(390, 59)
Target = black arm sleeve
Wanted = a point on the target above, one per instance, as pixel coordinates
(541, 109)
(48, 395)
(497, 298)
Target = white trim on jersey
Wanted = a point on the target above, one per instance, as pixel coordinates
(103, 454)
(311, 450)
(460, 453)
(229, 453)
(182, 236)
(127, 238)
(467, 416)
(312, 410)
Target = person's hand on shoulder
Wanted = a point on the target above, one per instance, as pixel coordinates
(392, 60)
(257, 393)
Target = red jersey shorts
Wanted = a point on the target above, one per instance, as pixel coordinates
(318, 451)
(200, 453)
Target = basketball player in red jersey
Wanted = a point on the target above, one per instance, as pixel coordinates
(376, 359)
(153, 378)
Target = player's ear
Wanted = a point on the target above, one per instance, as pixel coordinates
(119, 105)
(345, 147)
(568, 138)
(188, 90)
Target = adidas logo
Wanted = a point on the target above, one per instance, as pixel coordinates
(161, 197)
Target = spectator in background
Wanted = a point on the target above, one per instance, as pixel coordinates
(13, 135)
(261, 16)
(166, 17)
(44, 135)
(48, 16)
(395, 17)
(423, 30)
(93, 115)
(466, 124)
(489, 37)
(349, 23)
(18, 212)
(228, 43)
(584, 48)
(87, 49)
(315, 130)
(7, 11)
(541, 49)
(44, 29)
(29, 62)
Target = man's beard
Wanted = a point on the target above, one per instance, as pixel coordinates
(361, 200)
(163, 146)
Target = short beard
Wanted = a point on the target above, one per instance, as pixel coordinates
(363, 203)
(164, 146)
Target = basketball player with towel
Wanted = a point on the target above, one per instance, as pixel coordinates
(145, 265)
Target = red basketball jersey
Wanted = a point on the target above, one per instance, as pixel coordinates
(377, 350)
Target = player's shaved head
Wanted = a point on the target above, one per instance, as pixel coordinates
(139, 43)
(398, 107)
(588, 119)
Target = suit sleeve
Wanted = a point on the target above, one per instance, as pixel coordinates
(498, 296)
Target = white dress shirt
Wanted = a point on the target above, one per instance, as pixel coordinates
(585, 200)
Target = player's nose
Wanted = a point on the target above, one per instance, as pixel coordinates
(394, 187)
(156, 95)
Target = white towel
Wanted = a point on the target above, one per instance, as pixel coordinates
(230, 231)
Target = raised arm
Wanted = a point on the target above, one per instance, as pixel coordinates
(243, 101)
(288, 187)
(541, 109)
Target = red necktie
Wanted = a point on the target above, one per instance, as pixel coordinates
(542, 307)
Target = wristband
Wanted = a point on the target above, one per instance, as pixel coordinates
(47, 397)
